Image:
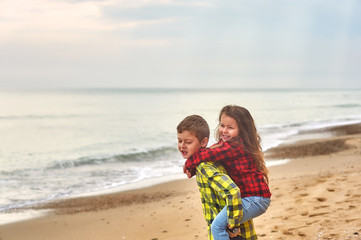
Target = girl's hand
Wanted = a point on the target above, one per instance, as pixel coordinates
(187, 172)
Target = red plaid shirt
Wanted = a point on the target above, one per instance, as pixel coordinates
(239, 165)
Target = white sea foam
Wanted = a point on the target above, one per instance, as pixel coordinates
(10, 217)
(273, 163)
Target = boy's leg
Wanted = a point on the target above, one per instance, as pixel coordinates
(219, 226)
(254, 207)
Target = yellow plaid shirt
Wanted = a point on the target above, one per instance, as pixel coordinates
(218, 190)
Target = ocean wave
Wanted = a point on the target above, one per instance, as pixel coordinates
(302, 108)
(136, 156)
(345, 105)
(275, 134)
(276, 127)
(27, 117)
(310, 124)
(351, 105)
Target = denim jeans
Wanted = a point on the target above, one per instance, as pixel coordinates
(252, 207)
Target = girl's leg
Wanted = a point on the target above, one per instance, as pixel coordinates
(219, 226)
(254, 207)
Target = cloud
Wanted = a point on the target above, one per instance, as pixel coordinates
(169, 43)
(45, 21)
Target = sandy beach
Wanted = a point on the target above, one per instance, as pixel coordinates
(316, 195)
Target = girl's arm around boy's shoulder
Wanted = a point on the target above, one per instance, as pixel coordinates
(217, 152)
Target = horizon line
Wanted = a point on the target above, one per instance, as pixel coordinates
(173, 89)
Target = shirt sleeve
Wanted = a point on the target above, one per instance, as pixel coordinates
(225, 151)
(228, 190)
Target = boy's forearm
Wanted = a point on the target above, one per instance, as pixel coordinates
(234, 209)
(229, 191)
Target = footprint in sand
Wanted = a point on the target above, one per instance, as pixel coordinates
(274, 229)
(287, 232)
(310, 223)
(321, 199)
(304, 213)
(322, 206)
(303, 194)
(318, 214)
(301, 234)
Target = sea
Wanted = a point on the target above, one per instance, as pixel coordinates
(63, 143)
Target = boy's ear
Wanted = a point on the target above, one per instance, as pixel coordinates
(204, 142)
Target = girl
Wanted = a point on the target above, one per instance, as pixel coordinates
(241, 154)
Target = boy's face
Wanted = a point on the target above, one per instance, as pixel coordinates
(188, 143)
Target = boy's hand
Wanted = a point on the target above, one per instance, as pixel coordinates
(233, 232)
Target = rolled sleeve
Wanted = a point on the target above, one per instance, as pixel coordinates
(229, 191)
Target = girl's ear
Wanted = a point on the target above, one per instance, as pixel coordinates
(204, 142)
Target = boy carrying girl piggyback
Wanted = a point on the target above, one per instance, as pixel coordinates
(237, 153)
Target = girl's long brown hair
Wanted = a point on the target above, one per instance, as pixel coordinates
(248, 133)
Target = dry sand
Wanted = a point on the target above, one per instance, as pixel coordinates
(315, 196)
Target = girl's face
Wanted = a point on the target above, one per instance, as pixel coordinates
(228, 128)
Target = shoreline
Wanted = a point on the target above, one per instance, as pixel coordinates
(33, 211)
(307, 196)
(145, 182)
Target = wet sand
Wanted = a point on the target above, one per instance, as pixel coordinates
(315, 196)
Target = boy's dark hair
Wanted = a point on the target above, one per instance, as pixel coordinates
(196, 125)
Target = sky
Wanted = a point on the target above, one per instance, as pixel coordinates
(308, 44)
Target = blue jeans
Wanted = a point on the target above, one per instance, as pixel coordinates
(252, 207)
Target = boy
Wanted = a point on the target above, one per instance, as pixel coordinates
(216, 187)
